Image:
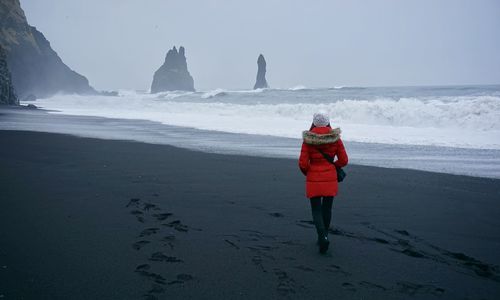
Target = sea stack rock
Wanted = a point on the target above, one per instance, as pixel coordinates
(7, 95)
(173, 75)
(261, 73)
(36, 69)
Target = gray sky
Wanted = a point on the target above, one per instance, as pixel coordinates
(118, 44)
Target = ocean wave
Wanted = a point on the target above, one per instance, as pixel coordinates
(472, 122)
(131, 93)
(171, 95)
(298, 88)
(341, 87)
(214, 93)
(256, 91)
(223, 92)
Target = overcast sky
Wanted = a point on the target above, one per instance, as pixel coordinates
(119, 44)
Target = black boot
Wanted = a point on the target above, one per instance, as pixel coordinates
(319, 224)
(324, 243)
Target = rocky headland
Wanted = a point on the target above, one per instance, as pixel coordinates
(7, 94)
(37, 71)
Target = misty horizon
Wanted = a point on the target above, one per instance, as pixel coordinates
(322, 44)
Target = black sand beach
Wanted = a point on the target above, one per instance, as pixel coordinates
(85, 218)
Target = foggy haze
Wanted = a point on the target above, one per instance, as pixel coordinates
(120, 44)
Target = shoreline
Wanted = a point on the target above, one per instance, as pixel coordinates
(89, 218)
(247, 155)
(443, 160)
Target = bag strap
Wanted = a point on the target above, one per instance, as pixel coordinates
(340, 173)
(327, 157)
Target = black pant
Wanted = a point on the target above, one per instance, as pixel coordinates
(322, 214)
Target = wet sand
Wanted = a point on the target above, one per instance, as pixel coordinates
(85, 218)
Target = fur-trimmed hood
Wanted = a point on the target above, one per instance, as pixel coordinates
(313, 138)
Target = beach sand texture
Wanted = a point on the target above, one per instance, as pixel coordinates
(85, 218)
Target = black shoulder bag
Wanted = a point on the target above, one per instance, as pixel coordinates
(340, 173)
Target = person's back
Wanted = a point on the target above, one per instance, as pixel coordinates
(321, 175)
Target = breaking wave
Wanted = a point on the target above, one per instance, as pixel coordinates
(455, 121)
(214, 93)
(298, 88)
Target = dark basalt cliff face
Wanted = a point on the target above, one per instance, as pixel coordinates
(36, 69)
(7, 94)
(261, 81)
(173, 75)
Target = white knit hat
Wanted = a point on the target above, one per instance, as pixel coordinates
(321, 119)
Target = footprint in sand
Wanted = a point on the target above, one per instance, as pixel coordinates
(304, 268)
(181, 278)
(141, 212)
(143, 267)
(138, 245)
(148, 206)
(155, 290)
(348, 286)
(159, 256)
(402, 232)
(257, 261)
(286, 285)
(292, 243)
(336, 269)
(277, 215)
(262, 248)
(258, 236)
(380, 241)
(479, 268)
(232, 244)
(411, 252)
(177, 225)
(143, 270)
(133, 201)
(372, 286)
(168, 240)
(162, 217)
(149, 231)
(411, 289)
(305, 223)
(138, 215)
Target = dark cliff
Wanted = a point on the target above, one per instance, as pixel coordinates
(35, 67)
(173, 75)
(7, 94)
(261, 81)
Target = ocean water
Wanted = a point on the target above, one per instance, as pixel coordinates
(451, 129)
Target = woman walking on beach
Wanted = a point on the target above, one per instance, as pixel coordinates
(321, 174)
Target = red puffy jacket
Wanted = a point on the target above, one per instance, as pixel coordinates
(321, 175)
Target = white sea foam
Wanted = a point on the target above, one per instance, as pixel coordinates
(259, 90)
(298, 88)
(214, 93)
(171, 95)
(463, 121)
(223, 92)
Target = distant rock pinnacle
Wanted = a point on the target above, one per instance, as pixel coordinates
(261, 73)
(173, 75)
